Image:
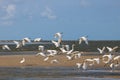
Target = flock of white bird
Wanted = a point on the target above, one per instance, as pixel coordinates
(109, 59)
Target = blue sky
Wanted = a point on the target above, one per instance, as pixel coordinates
(99, 19)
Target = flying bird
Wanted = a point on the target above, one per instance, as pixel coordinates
(84, 38)
(112, 49)
(46, 59)
(58, 35)
(41, 53)
(24, 40)
(63, 50)
(109, 58)
(97, 60)
(101, 50)
(6, 47)
(18, 44)
(70, 51)
(37, 39)
(54, 61)
(57, 44)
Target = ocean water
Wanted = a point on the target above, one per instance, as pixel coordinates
(56, 73)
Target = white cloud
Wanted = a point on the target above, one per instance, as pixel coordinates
(84, 3)
(7, 14)
(48, 13)
(10, 11)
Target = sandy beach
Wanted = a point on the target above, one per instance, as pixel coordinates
(33, 60)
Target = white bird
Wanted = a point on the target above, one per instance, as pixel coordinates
(117, 58)
(41, 48)
(46, 59)
(78, 55)
(69, 57)
(79, 65)
(112, 49)
(90, 60)
(37, 39)
(6, 47)
(97, 60)
(22, 61)
(57, 44)
(52, 52)
(63, 49)
(18, 44)
(67, 47)
(109, 58)
(84, 66)
(41, 53)
(24, 40)
(101, 50)
(113, 66)
(83, 39)
(70, 51)
(58, 35)
(54, 61)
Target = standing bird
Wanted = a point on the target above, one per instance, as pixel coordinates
(22, 61)
(84, 66)
(6, 47)
(83, 39)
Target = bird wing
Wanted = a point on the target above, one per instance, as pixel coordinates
(100, 51)
(115, 47)
(86, 41)
(55, 43)
(109, 49)
(80, 40)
